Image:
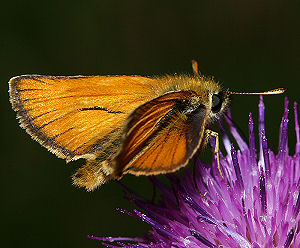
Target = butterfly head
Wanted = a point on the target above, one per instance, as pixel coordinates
(213, 97)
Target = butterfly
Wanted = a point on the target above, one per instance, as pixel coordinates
(121, 124)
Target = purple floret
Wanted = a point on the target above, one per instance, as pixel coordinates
(256, 205)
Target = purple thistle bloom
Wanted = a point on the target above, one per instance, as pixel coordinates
(257, 205)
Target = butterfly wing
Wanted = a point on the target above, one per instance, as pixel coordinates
(161, 135)
(76, 116)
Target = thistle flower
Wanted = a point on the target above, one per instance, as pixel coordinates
(255, 205)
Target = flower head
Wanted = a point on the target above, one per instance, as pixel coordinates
(256, 204)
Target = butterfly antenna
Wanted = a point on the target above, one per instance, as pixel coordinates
(268, 92)
(195, 68)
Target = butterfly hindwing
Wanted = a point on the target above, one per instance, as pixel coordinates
(161, 135)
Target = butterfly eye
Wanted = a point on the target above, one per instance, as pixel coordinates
(216, 103)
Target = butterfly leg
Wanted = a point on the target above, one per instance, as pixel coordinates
(217, 148)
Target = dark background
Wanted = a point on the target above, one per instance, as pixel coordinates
(246, 45)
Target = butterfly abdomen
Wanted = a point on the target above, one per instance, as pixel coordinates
(92, 174)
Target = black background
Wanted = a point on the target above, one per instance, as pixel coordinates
(246, 45)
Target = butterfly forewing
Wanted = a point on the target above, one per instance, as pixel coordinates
(161, 135)
(76, 116)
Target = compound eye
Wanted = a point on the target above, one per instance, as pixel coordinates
(216, 103)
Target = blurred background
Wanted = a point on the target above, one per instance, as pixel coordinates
(245, 45)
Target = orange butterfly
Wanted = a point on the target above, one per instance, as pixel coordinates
(120, 124)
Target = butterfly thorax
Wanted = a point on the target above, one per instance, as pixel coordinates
(205, 89)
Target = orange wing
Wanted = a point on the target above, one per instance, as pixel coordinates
(161, 135)
(76, 116)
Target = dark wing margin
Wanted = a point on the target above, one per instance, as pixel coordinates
(26, 121)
